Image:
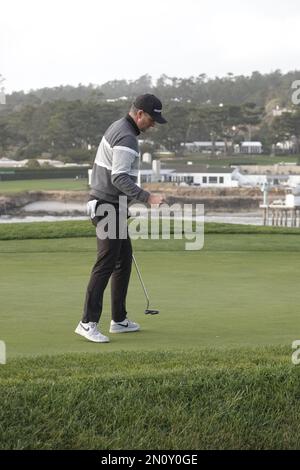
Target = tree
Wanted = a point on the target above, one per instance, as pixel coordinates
(287, 127)
(32, 163)
(173, 134)
(4, 135)
(251, 115)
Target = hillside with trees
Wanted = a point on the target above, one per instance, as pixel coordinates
(68, 122)
(232, 89)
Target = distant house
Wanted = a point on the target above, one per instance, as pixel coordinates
(114, 100)
(204, 146)
(251, 147)
(193, 175)
(285, 147)
(204, 176)
(219, 147)
(279, 111)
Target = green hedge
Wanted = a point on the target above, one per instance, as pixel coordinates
(10, 174)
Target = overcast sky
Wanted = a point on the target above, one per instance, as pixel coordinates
(59, 42)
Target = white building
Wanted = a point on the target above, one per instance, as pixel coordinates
(251, 147)
(204, 176)
(197, 175)
(204, 146)
(292, 200)
(194, 175)
(219, 147)
(272, 175)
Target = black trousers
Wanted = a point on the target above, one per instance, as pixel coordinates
(114, 261)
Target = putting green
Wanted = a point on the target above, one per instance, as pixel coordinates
(216, 297)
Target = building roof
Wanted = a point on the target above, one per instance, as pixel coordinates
(251, 144)
(164, 171)
(201, 169)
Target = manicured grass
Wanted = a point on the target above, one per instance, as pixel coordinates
(240, 290)
(36, 230)
(83, 228)
(59, 184)
(208, 399)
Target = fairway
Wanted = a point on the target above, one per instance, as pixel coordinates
(240, 290)
(55, 184)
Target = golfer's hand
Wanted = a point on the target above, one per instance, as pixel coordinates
(155, 199)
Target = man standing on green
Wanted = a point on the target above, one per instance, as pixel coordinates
(114, 174)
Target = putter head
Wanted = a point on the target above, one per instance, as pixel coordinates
(149, 311)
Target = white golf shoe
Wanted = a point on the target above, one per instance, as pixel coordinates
(91, 332)
(125, 326)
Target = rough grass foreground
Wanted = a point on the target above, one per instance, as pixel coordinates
(83, 228)
(209, 399)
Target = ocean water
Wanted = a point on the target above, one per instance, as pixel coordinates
(55, 206)
(244, 219)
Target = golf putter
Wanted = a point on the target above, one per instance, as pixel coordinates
(148, 311)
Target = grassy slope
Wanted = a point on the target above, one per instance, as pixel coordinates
(238, 399)
(178, 383)
(83, 228)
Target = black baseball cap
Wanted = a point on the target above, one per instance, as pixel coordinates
(151, 105)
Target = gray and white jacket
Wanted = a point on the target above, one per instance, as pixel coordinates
(116, 164)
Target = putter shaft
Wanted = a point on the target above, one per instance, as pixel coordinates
(141, 280)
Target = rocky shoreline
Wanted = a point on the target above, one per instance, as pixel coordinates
(14, 204)
(214, 199)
